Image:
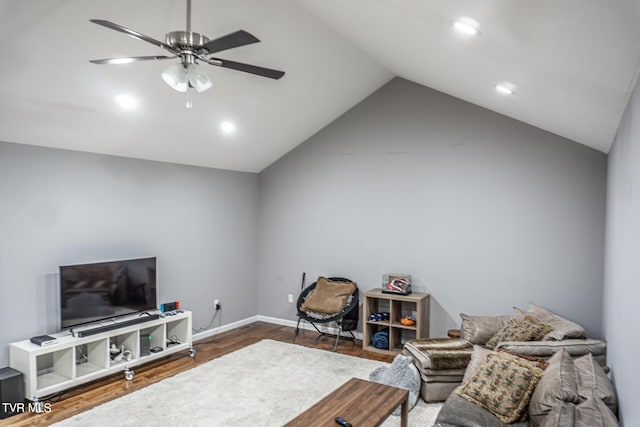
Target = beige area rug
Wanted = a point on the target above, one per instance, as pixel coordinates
(265, 384)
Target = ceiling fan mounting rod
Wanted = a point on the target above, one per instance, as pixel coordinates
(188, 16)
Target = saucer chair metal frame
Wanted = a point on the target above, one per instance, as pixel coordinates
(347, 318)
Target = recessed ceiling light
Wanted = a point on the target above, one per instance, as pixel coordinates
(506, 88)
(126, 101)
(467, 26)
(227, 127)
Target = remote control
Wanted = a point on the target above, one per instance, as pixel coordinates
(343, 422)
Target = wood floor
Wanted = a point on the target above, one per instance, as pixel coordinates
(85, 397)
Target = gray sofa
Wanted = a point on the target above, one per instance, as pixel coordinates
(570, 393)
(566, 384)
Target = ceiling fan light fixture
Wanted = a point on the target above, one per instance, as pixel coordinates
(198, 78)
(176, 76)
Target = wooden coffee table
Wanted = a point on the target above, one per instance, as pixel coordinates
(362, 403)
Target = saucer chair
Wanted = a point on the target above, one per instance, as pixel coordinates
(336, 291)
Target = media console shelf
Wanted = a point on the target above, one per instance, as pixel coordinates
(398, 306)
(76, 360)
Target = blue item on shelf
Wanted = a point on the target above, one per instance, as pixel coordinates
(379, 316)
(380, 339)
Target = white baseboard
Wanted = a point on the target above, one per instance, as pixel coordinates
(260, 318)
(229, 326)
(303, 325)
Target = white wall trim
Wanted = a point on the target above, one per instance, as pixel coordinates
(274, 320)
(304, 325)
(229, 326)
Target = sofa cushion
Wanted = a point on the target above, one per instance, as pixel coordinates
(328, 296)
(562, 328)
(479, 329)
(575, 347)
(559, 384)
(448, 378)
(594, 413)
(477, 357)
(562, 415)
(529, 329)
(592, 381)
(437, 391)
(503, 385)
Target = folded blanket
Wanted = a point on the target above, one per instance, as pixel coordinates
(439, 353)
(381, 339)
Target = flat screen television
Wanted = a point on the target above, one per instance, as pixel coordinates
(99, 291)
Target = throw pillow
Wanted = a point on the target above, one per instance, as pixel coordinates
(328, 296)
(480, 353)
(529, 329)
(502, 385)
(402, 374)
(594, 413)
(558, 385)
(592, 381)
(562, 328)
(536, 361)
(478, 329)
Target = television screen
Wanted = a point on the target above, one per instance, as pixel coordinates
(99, 291)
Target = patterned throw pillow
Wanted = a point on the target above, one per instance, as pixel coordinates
(562, 328)
(529, 329)
(502, 385)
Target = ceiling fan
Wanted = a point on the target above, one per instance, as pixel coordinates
(191, 48)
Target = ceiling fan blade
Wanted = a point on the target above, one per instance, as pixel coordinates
(237, 39)
(247, 68)
(134, 34)
(127, 60)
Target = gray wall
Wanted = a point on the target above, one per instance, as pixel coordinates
(622, 265)
(484, 211)
(61, 207)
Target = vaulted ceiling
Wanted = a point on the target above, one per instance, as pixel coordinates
(573, 65)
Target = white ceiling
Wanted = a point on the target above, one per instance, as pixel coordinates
(573, 62)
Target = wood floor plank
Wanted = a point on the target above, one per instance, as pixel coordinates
(87, 396)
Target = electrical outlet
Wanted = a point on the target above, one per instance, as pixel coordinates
(216, 304)
(290, 298)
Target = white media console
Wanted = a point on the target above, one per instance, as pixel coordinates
(76, 360)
